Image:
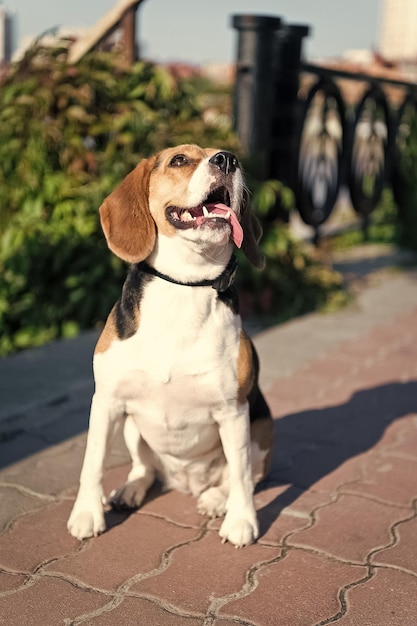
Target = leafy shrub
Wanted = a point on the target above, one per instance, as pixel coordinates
(383, 227)
(68, 136)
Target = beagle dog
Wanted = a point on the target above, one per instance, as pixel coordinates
(173, 362)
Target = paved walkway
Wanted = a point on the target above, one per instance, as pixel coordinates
(338, 514)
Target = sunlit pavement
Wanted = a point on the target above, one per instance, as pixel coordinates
(338, 515)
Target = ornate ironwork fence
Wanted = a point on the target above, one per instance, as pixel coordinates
(316, 142)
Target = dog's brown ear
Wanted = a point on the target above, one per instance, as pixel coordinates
(125, 217)
(252, 232)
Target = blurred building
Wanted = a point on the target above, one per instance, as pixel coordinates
(398, 30)
(6, 34)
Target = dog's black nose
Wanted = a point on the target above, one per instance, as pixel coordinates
(225, 161)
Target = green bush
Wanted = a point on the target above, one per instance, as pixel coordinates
(68, 136)
(383, 227)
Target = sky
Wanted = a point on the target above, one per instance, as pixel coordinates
(196, 31)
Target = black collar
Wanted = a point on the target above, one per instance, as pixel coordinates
(221, 283)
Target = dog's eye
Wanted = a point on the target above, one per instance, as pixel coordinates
(178, 160)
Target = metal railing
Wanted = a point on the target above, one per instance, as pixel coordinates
(295, 125)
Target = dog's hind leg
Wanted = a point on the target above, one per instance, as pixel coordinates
(261, 434)
(212, 501)
(142, 474)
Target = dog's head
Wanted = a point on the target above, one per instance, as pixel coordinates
(187, 193)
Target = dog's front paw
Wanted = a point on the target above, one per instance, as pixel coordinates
(86, 521)
(241, 531)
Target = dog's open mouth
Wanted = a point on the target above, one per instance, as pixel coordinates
(211, 213)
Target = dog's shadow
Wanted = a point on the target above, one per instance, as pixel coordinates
(313, 443)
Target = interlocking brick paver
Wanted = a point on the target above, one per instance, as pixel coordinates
(388, 478)
(389, 598)
(280, 407)
(337, 513)
(14, 503)
(333, 392)
(289, 389)
(134, 547)
(202, 572)
(114, 478)
(138, 611)
(37, 537)
(403, 441)
(21, 444)
(223, 622)
(47, 472)
(383, 374)
(362, 351)
(278, 527)
(399, 438)
(298, 590)
(333, 366)
(400, 555)
(48, 602)
(350, 528)
(10, 581)
(305, 503)
(284, 509)
(321, 467)
(387, 334)
(175, 507)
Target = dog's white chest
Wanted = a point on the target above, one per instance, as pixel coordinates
(181, 363)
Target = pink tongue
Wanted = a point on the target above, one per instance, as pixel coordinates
(222, 209)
